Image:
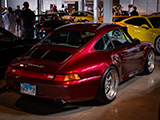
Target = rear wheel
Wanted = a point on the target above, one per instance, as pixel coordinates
(157, 45)
(150, 62)
(108, 87)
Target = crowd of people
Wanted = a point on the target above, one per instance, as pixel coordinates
(132, 10)
(23, 19)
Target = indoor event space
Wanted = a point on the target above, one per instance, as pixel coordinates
(79, 60)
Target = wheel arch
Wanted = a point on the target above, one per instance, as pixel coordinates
(106, 70)
(155, 42)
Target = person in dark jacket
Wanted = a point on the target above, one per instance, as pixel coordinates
(27, 21)
(134, 11)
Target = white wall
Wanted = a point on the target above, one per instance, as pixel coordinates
(14, 3)
(143, 6)
(125, 4)
(32, 3)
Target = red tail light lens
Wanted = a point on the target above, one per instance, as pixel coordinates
(30, 74)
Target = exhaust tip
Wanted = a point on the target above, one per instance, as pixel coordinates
(60, 101)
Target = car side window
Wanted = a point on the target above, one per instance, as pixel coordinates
(138, 21)
(4, 38)
(74, 14)
(103, 43)
(119, 38)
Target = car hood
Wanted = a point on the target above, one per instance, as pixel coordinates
(45, 59)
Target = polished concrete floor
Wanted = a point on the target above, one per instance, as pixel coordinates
(138, 99)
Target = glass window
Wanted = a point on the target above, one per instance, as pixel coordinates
(119, 38)
(65, 38)
(155, 21)
(103, 43)
(75, 14)
(138, 21)
(89, 13)
(4, 38)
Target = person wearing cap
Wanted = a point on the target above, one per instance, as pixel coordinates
(27, 21)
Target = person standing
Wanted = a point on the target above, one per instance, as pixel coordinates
(9, 20)
(27, 21)
(129, 8)
(134, 11)
(119, 7)
(17, 12)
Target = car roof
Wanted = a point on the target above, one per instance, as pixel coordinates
(99, 27)
(145, 16)
(84, 12)
(141, 16)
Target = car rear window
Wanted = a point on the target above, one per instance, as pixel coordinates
(54, 55)
(75, 39)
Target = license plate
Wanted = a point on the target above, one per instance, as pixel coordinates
(28, 89)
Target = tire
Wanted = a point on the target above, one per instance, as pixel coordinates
(157, 45)
(108, 87)
(150, 62)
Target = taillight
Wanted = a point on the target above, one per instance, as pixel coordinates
(46, 28)
(30, 74)
(69, 77)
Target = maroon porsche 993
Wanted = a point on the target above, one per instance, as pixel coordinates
(79, 62)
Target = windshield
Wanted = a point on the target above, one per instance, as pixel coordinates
(71, 38)
(155, 22)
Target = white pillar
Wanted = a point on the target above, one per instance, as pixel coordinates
(107, 6)
(132, 2)
(6, 3)
(95, 11)
(80, 5)
(0, 13)
(38, 6)
(85, 5)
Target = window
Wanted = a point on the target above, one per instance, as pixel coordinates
(75, 14)
(4, 38)
(69, 38)
(138, 21)
(103, 43)
(79, 14)
(155, 22)
(119, 38)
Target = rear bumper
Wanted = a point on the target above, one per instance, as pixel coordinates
(73, 91)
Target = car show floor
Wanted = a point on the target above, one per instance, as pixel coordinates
(137, 99)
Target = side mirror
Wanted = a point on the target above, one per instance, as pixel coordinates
(136, 41)
(144, 26)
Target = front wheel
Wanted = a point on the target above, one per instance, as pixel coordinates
(108, 87)
(157, 45)
(150, 62)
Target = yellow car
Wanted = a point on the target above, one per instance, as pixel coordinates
(145, 28)
(83, 15)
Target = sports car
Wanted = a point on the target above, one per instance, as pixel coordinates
(79, 62)
(83, 15)
(45, 27)
(145, 28)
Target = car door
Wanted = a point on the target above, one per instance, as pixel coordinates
(136, 31)
(129, 54)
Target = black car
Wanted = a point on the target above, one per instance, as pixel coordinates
(11, 47)
(45, 27)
